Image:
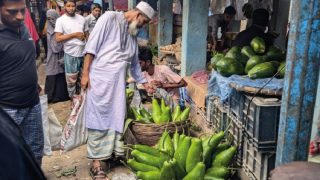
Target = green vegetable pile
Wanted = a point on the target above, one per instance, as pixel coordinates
(254, 61)
(129, 95)
(161, 113)
(183, 157)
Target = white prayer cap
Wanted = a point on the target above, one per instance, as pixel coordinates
(146, 9)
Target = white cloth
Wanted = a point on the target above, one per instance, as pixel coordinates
(114, 48)
(67, 25)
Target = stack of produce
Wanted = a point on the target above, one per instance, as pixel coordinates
(252, 60)
(183, 157)
(172, 47)
(160, 113)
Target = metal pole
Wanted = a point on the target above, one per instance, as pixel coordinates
(111, 5)
(165, 23)
(132, 4)
(301, 79)
(194, 36)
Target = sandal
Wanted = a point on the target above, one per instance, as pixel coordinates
(117, 161)
(97, 173)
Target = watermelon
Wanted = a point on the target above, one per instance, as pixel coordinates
(217, 57)
(254, 60)
(247, 51)
(263, 70)
(228, 66)
(282, 69)
(274, 54)
(258, 45)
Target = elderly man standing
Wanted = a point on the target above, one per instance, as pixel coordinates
(111, 47)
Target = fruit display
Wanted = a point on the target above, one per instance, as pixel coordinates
(256, 59)
(183, 158)
(161, 113)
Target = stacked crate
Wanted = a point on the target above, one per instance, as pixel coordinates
(253, 126)
(261, 120)
(216, 114)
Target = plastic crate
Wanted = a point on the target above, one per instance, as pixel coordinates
(256, 164)
(209, 111)
(236, 104)
(262, 147)
(216, 114)
(235, 133)
(262, 120)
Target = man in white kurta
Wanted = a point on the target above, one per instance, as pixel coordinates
(110, 49)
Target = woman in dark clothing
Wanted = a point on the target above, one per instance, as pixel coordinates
(260, 21)
(55, 87)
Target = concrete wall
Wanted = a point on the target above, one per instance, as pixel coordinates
(282, 16)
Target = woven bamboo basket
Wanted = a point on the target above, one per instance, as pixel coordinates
(149, 134)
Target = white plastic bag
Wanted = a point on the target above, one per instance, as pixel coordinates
(45, 124)
(75, 132)
(55, 130)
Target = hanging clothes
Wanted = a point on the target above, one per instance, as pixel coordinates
(30, 26)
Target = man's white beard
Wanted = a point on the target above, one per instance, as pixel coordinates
(133, 30)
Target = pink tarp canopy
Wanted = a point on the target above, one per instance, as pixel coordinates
(120, 4)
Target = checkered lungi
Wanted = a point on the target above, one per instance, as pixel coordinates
(30, 122)
(72, 67)
(102, 143)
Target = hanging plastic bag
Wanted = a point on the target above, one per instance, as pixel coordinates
(75, 132)
(55, 130)
(45, 124)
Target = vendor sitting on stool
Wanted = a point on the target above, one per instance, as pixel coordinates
(160, 76)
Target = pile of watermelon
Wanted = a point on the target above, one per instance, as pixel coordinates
(255, 61)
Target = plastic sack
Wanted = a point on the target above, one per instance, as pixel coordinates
(75, 132)
(55, 130)
(45, 124)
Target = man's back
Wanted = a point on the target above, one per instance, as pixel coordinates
(18, 75)
(244, 38)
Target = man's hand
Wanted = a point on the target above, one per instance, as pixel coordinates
(79, 35)
(85, 81)
(149, 88)
(157, 84)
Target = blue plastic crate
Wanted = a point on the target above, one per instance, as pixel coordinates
(235, 135)
(236, 104)
(261, 147)
(257, 164)
(262, 120)
(216, 114)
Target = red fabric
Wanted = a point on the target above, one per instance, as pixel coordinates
(31, 27)
(314, 148)
(121, 5)
(200, 76)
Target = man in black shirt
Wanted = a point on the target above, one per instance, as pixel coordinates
(260, 21)
(18, 76)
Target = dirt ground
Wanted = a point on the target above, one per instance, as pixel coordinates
(56, 163)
